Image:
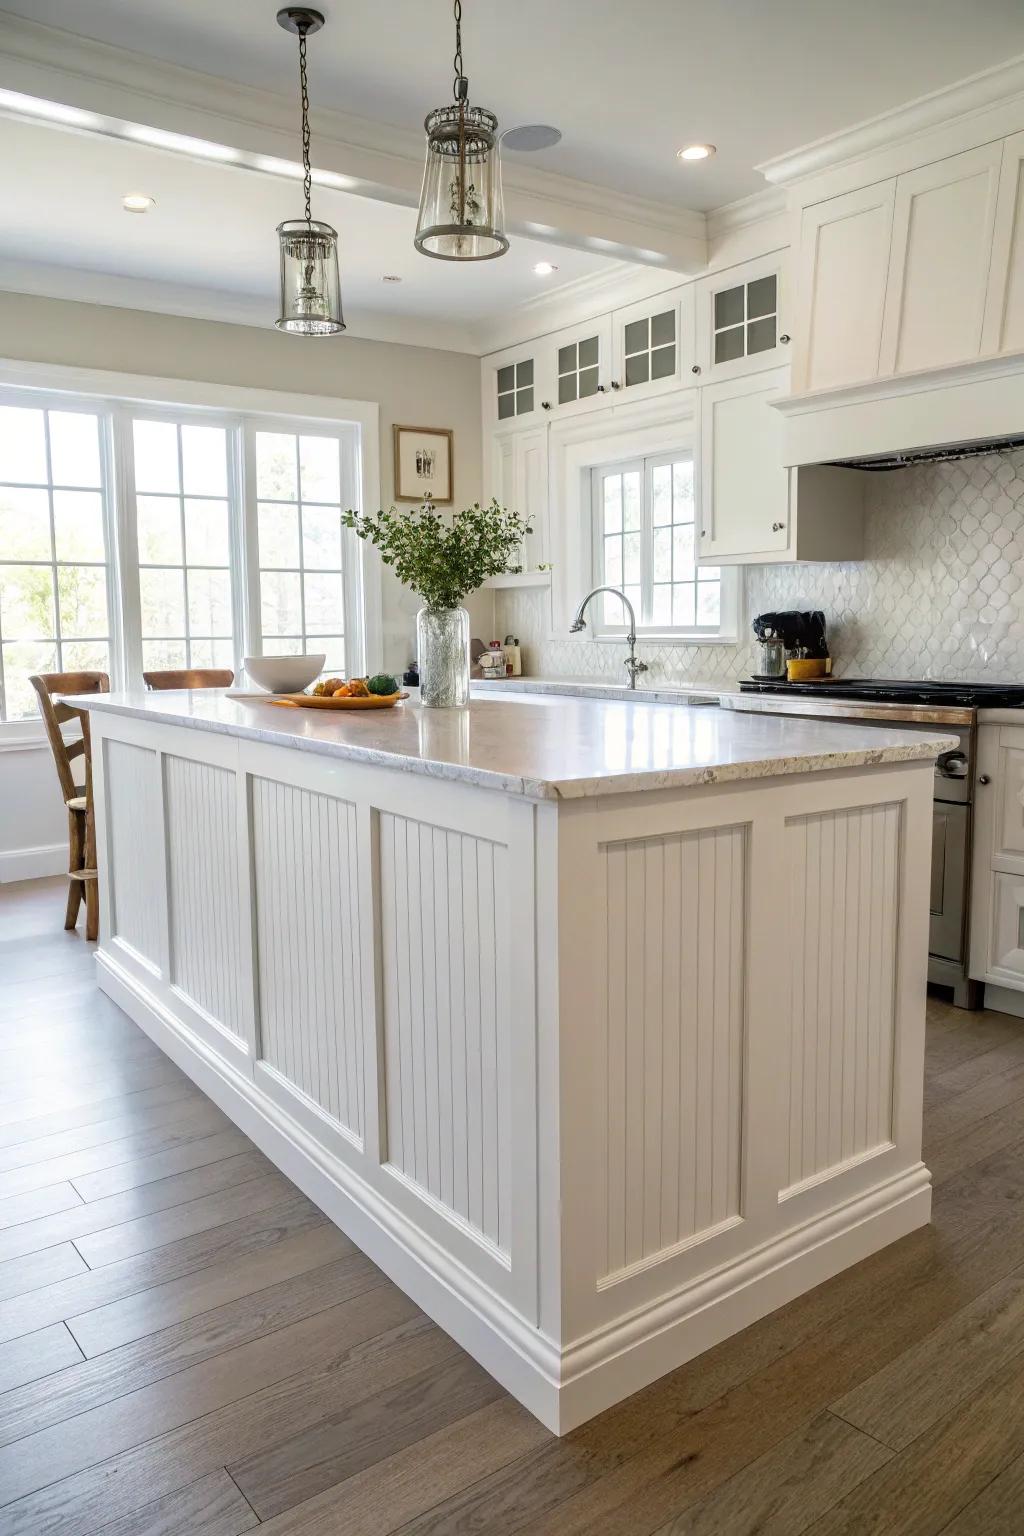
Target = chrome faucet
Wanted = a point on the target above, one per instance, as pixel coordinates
(633, 666)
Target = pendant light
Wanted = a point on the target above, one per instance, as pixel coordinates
(461, 211)
(310, 285)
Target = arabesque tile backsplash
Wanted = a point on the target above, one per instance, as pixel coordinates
(939, 594)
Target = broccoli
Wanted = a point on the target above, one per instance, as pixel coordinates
(383, 684)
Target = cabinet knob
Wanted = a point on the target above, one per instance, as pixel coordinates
(695, 368)
(784, 340)
(983, 778)
(616, 384)
(545, 405)
(777, 527)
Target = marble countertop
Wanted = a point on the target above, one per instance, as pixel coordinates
(545, 747)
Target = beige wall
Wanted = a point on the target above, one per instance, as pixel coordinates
(417, 386)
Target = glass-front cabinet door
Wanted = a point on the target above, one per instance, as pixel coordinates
(741, 326)
(653, 345)
(581, 374)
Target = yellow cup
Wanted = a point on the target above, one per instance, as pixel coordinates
(804, 669)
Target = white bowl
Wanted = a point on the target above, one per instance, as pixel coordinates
(284, 674)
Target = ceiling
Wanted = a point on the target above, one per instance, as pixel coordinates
(213, 230)
(626, 84)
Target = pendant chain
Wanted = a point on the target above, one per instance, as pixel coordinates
(307, 179)
(458, 46)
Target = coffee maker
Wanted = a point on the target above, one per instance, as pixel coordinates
(787, 636)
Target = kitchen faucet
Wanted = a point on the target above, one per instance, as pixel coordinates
(633, 667)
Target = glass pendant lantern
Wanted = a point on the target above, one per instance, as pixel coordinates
(310, 283)
(462, 214)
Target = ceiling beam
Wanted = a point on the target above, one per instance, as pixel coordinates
(118, 90)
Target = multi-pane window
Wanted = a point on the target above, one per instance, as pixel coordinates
(746, 319)
(644, 543)
(578, 369)
(649, 348)
(183, 531)
(301, 567)
(515, 389)
(54, 579)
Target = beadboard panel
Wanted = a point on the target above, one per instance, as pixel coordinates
(444, 946)
(310, 945)
(203, 892)
(674, 1035)
(843, 885)
(133, 793)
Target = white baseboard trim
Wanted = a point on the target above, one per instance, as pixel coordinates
(562, 1387)
(1004, 999)
(33, 863)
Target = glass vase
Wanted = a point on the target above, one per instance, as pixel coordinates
(442, 644)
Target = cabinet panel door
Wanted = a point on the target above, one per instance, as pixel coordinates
(938, 266)
(1009, 787)
(1004, 306)
(531, 491)
(581, 372)
(1007, 952)
(740, 320)
(841, 273)
(743, 486)
(653, 345)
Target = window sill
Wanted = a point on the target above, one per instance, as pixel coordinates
(22, 736)
(668, 637)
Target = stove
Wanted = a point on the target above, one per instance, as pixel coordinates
(922, 692)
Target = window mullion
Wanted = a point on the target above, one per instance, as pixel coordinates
(186, 625)
(646, 546)
(126, 505)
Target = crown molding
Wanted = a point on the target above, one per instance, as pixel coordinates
(769, 203)
(585, 298)
(80, 286)
(958, 102)
(374, 159)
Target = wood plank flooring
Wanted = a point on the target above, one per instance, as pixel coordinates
(188, 1348)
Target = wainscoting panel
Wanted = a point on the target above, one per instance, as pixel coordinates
(673, 1036)
(843, 873)
(133, 798)
(311, 950)
(445, 941)
(203, 894)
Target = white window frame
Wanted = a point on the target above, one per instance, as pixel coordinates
(17, 730)
(118, 397)
(697, 633)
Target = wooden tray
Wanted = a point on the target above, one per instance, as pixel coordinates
(307, 701)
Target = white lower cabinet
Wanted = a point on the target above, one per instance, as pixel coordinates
(751, 508)
(997, 905)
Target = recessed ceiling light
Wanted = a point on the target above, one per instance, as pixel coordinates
(545, 268)
(137, 202)
(695, 152)
(391, 277)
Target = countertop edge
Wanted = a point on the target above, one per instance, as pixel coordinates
(925, 748)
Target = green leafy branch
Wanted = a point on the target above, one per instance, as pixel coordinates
(443, 556)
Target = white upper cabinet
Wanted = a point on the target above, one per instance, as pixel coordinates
(519, 481)
(1003, 330)
(939, 262)
(580, 373)
(841, 272)
(741, 327)
(653, 345)
(751, 508)
(514, 383)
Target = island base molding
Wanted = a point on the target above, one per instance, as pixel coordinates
(597, 1081)
(562, 1389)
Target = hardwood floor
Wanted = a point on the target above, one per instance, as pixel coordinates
(188, 1348)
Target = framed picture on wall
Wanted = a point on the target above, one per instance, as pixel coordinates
(423, 464)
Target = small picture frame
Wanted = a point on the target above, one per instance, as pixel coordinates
(424, 464)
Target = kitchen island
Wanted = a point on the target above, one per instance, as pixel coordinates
(597, 1024)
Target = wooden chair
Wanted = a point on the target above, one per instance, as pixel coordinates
(210, 677)
(77, 797)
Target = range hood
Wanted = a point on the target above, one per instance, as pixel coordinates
(947, 413)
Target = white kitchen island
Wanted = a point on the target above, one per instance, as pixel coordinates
(599, 1025)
